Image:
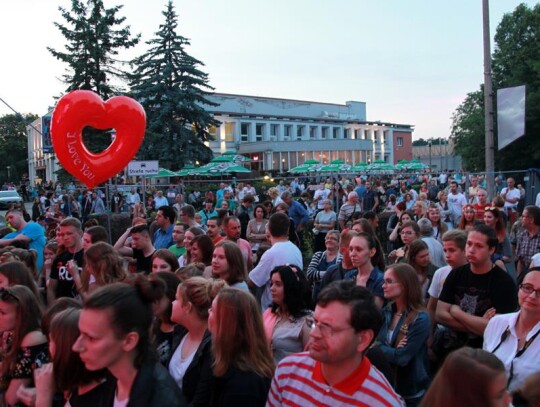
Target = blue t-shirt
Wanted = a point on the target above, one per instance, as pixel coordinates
(36, 234)
(163, 240)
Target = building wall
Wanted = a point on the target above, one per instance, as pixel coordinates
(402, 146)
(301, 130)
(42, 166)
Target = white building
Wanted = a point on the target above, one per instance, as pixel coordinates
(279, 134)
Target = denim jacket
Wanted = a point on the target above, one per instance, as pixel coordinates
(410, 362)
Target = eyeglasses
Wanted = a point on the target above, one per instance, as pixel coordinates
(490, 208)
(326, 330)
(335, 239)
(388, 281)
(406, 233)
(529, 289)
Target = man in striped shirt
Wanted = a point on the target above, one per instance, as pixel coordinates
(335, 372)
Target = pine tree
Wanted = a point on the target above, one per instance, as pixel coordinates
(94, 38)
(171, 87)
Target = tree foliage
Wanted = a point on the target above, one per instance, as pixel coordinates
(14, 145)
(516, 61)
(170, 85)
(94, 36)
(423, 142)
(468, 131)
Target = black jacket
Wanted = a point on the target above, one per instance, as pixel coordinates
(153, 387)
(238, 388)
(198, 380)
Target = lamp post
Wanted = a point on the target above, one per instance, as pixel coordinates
(429, 144)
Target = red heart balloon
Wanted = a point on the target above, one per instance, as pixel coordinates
(82, 108)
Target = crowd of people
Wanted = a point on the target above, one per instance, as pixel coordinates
(298, 295)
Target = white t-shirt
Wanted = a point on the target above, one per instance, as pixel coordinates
(281, 253)
(322, 194)
(178, 366)
(511, 194)
(535, 260)
(438, 280)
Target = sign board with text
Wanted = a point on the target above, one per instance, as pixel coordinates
(143, 168)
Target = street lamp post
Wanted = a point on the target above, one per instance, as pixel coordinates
(429, 144)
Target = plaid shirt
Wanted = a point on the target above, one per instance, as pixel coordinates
(527, 247)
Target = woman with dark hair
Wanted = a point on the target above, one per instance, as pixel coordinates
(164, 260)
(363, 226)
(409, 232)
(189, 235)
(503, 251)
(29, 258)
(26, 347)
(362, 249)
(243, 365)
(418, 258)
(256, 228)
(405, 331)
(469, 377)
(115, 335)
(287, 322)
(16, 273)
(228, 264)
(102, 265)
(191, 362)
(93, 235)
(163, 325)
(395, 235)
(66, 373)
(202, 249)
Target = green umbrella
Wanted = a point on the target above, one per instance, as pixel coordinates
(360, 167)
(380, 166)
(416, 165)
(231, 156)
(163, 173)
(213, 169)
(187, 171)
(308, 166)
(402, 165)
(336, 167)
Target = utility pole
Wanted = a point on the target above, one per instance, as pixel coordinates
(488, 102)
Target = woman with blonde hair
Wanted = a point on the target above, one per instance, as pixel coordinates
(191, 362)
(243, 366)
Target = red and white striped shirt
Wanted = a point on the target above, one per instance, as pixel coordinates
(298, 381)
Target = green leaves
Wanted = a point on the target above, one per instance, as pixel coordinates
(169, 84)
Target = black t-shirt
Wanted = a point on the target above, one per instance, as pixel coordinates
(66, 286)
(476, 293)
(144, 264)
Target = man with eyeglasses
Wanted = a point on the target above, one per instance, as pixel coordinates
(528, 241)
(335, 370)
(474, 293)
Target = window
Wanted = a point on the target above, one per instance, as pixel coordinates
(357, 134)
(299, 132)
(244, 131)
(335, 132)
(229, 131)
(259, 130)
(312, 132)
(325, 132)
(399, 141)
(274, 129)
(288, 132)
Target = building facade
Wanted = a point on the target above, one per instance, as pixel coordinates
(280, 134)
